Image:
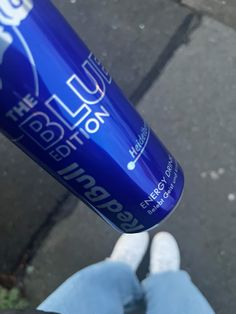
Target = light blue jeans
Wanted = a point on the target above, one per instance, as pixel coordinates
(109, 287)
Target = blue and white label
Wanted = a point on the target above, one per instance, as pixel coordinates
(13, 12)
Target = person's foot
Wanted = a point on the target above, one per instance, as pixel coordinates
(164, 254)
(130, 249)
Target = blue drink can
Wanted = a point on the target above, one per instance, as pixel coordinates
(63, 109)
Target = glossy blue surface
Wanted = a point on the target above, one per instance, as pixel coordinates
(63, 109)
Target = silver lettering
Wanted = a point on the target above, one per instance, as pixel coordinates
(90, 181)
(113, 206)
(97, 194)
(132, 227)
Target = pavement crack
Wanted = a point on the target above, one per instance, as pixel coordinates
(63, 209)
(180, 37)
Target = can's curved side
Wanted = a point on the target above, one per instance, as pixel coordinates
(65, 111)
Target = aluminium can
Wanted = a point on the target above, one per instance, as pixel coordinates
(62, 108)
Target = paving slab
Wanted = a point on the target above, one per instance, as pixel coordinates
(129, 36)
(192, 108)
(28, 195)
(194, 113)
(223, 10)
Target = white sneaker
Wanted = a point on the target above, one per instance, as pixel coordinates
(130, 249)
(165, 254)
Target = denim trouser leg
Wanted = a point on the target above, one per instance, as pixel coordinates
(103, 288)
(107, 287)
(174, 293)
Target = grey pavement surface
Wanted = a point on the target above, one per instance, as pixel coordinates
(223, 10)
(129, 37)
(197, 119)
(28, 195)
(192, 109)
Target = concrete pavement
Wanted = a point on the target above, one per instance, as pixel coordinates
(191, 106)
(222, 10)
(129, 36)
(196, 101)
